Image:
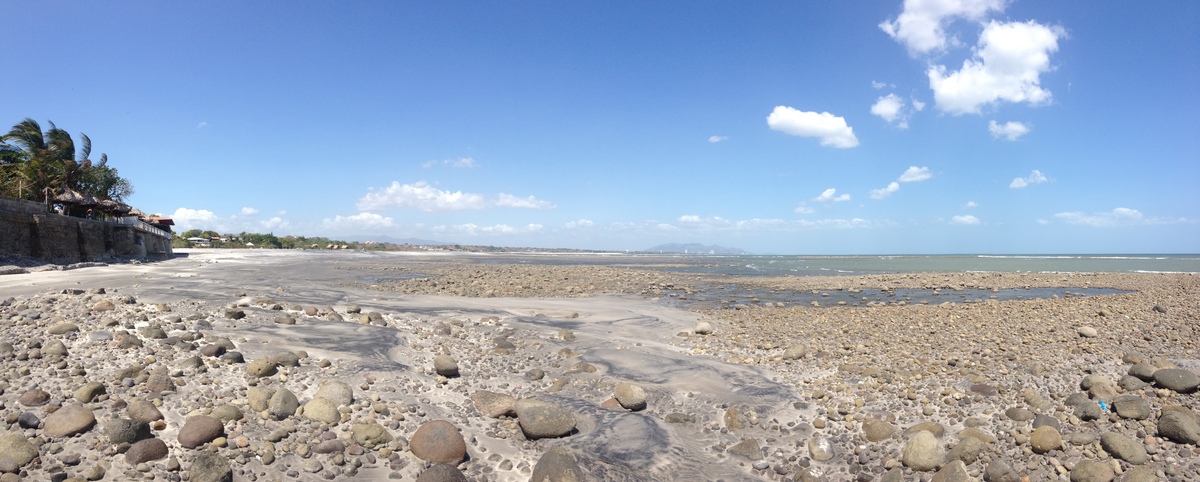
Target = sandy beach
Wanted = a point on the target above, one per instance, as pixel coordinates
(308, 365)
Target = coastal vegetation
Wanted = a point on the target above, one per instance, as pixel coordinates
(50, 167)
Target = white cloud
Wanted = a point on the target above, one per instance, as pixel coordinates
(964, 219)
(891, 108)
(716, 139)
(921, 26)
(832, 129)
(358, 221)
(1035, 177)
(1008, 130)
(582, 223)
(1116, 217)
(1006, 66)
(885, 192)
(421, 196)
(195, 219)
(689, 218)
(275, 223)
(460, 163)
(202, 125)
(534, 228)
(248, 212)
(915, 174)
(831, 195)
(918, 105)
(881, 85)
(510, 201)
(802, 209)
(665, 227)
(970, 204)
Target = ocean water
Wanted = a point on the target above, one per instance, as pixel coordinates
(771, 265)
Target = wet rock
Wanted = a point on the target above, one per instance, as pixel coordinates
(259, 398)
(923, 452)
(89, 391)
(262, 367)
(199, 430)
(329, 447)
(445, 365)
(438, 441)
(28, 420)
(875, 430)
(1043, 420)
(210, 467)
(1131, 406)
(16, 447)
(285, 359)
(443, 473)
(494, 405)
(1179, 427)
(821, 449)
(159, 381)
(967, 450)
(748, 448)
(121, 430)
(1143, 371)
(145, 451)
(339, 393)
(1140, 474)
(999, 471)
(283, 404)
(631, 396)
(954, 471)
(1045, 439)
(69, 420)
(1092, 471)
(540, 419)
(557, 465)
(370, 434)
(143, 410)
(1124, 448)
(34, 397)
(1177, 379)
(678, 417)
(227, 412)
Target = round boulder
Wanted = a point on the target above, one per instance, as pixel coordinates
(199, 430)
(557, 465)
(146, 451)
(322, 410)
(16, 447)
(1177, 379)
(630, 396)
(438, 441)
(923, 452)
(69, 420)
(1045, 439)
(445, 365)
(339, 393)
(540, 419)
(494, 405)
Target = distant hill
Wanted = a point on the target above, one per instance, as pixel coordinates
(695, 248)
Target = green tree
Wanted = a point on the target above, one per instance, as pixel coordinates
(49, 163)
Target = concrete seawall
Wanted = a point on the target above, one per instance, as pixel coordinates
(27, 230)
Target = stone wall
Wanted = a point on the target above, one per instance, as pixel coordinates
(27, 230)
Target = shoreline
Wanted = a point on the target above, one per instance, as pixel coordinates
(750, 391)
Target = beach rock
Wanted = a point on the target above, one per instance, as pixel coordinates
(703, 328)
(63, 328)
(103, 305)
(1143, 370)
(28, 420)
(262, 367)
(557, 465)
(494, 405)
(1159, 309)
(54, 348)
(285, 320)
(285, 359)
(34, 397)
(68, 420)
(198, 430)
(1045, 439)
(748, 448)
(1131, 406)
(794, 353)
(938, 430)
(540, 419)
(955, 471)
(631, 396)
(445, 365)
(15, 447)
(1042, 420)
(283, 404)
(1179, 427)
(227, 413)
(678, 417)
(1087, 332)
(441, 473)
(876, 430)
(1142, 473)
(121, 430)
(337, 392)
(999, 471)
(438, 441)
(821, 449)
(923, 452)
(210, 467)
(322, 410)
(1124, 448)
(967, 450)
(329, 447)
(370, 434)
(1092, 471)
(159, 381)
(1018, 414)
(1177, 379)
(145, 451)
(143, 410)
(1131, 383)
(259, 398)
(212, 350)
(89, 391)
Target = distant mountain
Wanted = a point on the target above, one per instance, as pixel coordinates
(695, 248)
(382, 238)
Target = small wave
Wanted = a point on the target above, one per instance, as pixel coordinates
(1143, 271)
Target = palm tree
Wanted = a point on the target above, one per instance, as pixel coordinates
(40, 168)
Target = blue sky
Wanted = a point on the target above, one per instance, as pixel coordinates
(932, 126)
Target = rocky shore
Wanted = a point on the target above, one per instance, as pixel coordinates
(335, 368)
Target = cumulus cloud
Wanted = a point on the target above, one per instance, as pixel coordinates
(915, 174)
(964, 219)
(803, 209)
(358, 221)
(1035, 177)
(918, 105)
(202, 125)
(582, 223)
(187, 219)
(970, 204)
(885, 192)
(248, 212)
(530, 202)
(1116, 217)
(881, 85)
(716, 139)
(689, 218)
(831, 195)
(460, 163)
(421, 196)
(275, 223)
(921, 26)
(1007, 66)
(1008, 130)
(832, 130)
(891, 109)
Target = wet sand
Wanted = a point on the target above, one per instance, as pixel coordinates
(778, 390)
